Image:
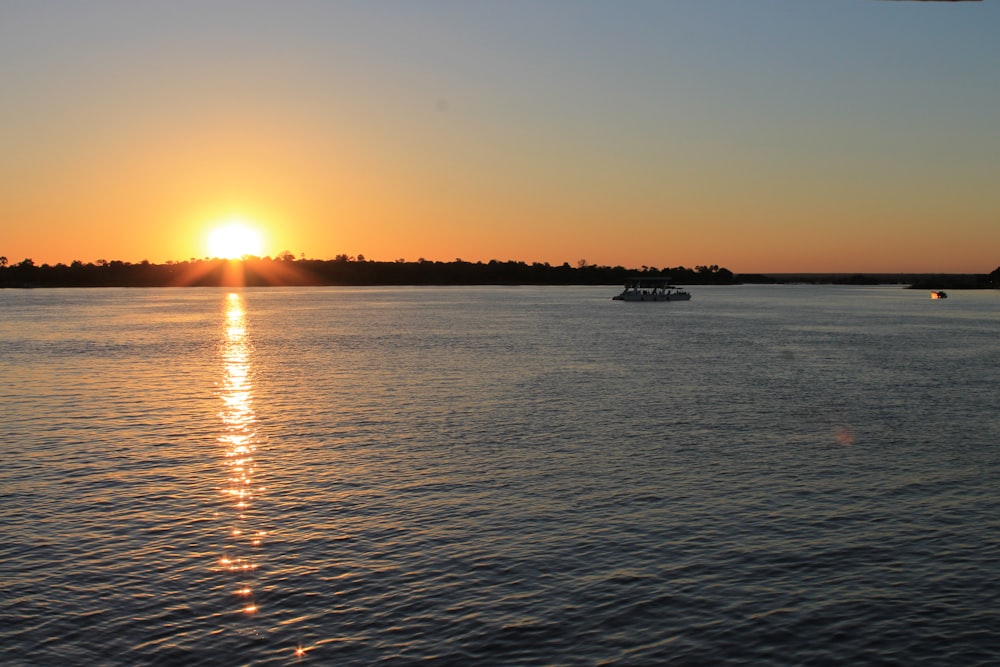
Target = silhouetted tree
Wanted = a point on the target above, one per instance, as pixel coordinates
(342, 270)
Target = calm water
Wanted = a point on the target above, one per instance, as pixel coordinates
(516, 476)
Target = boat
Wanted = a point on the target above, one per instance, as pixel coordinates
(938, 294)
(651, 289)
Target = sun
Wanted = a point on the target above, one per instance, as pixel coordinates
(233, 240)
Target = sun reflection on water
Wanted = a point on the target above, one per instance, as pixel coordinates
(238, 438)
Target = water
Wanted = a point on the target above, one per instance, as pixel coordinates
(515, 476)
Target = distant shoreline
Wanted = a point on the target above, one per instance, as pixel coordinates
(348, 271)
(910, 280)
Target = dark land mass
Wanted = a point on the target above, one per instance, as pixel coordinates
(911, 280)
(287, 271)
(344, 270)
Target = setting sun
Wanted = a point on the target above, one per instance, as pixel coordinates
(234, 240)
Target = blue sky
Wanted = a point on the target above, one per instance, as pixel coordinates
(853, 135)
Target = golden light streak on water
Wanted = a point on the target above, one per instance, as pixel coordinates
(238, 439)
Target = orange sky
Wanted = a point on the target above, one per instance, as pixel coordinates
(794, 137)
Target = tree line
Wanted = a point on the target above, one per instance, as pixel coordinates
(342, 270)
(348, 270)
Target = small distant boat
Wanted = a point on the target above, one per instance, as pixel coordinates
(651, 289)
(938, 294)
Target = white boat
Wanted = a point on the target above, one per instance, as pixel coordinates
(938, 294)
(651, 289)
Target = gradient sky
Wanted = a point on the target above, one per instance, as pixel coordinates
(760, 135)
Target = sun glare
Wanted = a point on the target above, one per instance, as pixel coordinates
(233, 241)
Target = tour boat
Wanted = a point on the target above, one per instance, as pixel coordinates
(651, 289)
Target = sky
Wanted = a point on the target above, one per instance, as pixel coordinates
(758, 135)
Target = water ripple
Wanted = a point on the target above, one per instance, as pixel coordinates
(493, 478)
